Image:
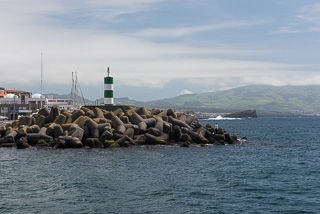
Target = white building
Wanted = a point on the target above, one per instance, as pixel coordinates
(37, 99)
(62, 103)
(10, 99)
(17, 102)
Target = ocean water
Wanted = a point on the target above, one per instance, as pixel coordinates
(276, 171)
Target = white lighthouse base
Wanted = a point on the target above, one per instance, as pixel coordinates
(108, 101)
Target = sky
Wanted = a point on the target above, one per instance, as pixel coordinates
(158, 48)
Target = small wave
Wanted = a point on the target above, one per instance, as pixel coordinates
(222, 118)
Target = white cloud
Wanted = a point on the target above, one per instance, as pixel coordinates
(311, 13)
(308, 20)
(291, 28)
(183, 31)
(282, 80)
(133, 61)
(61, 13)
(185, 91)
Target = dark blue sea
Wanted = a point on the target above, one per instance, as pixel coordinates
(276, 171)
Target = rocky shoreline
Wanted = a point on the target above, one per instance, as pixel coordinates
(100, 128)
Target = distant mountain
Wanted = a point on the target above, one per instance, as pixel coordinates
(293, 99)
(288, 99)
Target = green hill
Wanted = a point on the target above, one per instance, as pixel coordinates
(293, 99)
(288, 99)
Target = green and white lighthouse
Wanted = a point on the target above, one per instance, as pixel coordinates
(108, 90)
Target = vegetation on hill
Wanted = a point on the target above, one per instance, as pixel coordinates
(289, 99)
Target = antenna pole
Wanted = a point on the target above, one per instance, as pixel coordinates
(41, 80)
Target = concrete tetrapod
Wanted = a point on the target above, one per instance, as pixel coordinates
(99, 128)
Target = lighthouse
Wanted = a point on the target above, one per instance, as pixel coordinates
(108, 89)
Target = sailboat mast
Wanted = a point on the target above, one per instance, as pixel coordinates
(76, 91)
(72, 91)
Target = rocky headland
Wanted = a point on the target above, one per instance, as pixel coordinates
(243, 114)
(101, 128)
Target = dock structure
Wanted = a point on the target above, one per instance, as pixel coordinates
(108, 90)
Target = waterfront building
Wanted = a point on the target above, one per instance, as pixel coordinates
(36, 101)
(22, 95)
(61, 103)
(15, 103)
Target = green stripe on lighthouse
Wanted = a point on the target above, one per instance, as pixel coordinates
(108, 94)
(108, 80)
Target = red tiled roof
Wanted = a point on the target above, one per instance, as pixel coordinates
(15, 91)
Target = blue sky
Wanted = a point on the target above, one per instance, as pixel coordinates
(157, 48)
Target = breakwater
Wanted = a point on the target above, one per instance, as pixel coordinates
(101, 128)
